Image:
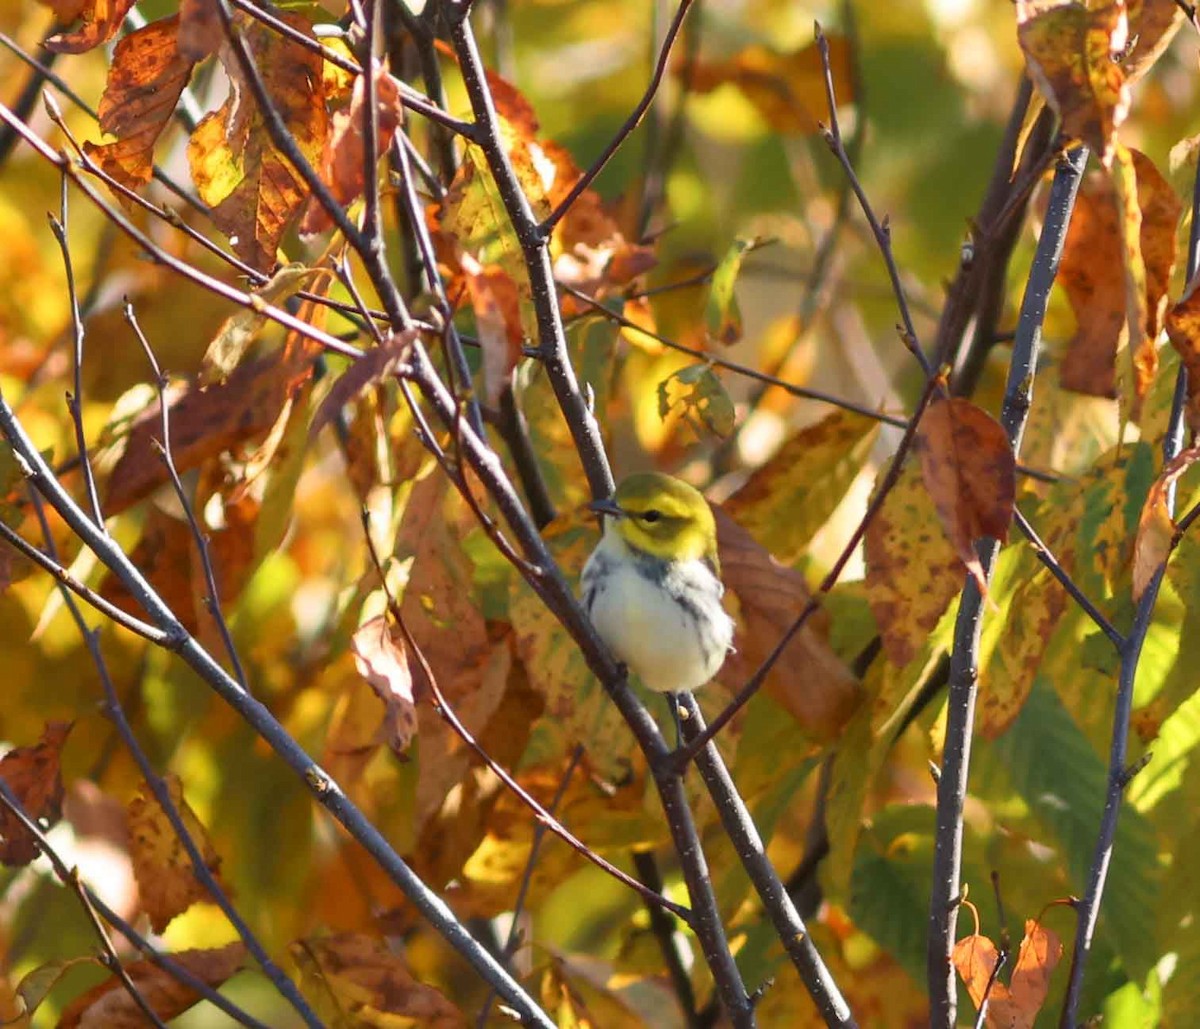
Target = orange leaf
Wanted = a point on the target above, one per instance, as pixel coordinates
(252, 188)
(167, 883)
(809, 679)
(371, 984)
(147, 75)
(1106, 281)
(1072, 53)
(969, 470)
(34, 775)
(382, 660)
(343, 158)
(101, 21)
(109, 1005)
(1183, 328)
(975, 959)
(497, 304)
(1018, 1006)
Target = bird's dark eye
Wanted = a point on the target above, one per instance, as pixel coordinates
(652, 515)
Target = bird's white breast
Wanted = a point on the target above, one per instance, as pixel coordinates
(663, 619)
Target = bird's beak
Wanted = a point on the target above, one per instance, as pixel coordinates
(608, 506)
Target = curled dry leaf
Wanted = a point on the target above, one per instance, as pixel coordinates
(1156, 527)
(167, 882)
(1105, 280)
(496, 301)
(382, 660)
(361, 979)
(147, 75)
(343, 158)
(34, 775)
(1073, 55)
(109, 1005)
(969, 470)
(1183, 329)
(809, 679)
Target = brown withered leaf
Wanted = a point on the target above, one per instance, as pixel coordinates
(34, 775)
(362, 979)
(787, 89)
(147, 75)
(200, 30)
(912, 570)
(1152, 26)
(496, 301)
(1073, 54)
(1156, 527)
(382, 660)
(205, 422)
(809, 679)
(167, 883)
(374, 366)
(970, 472)
(252, 188)
(101, 21)
(1183, 329)
(342, 159)
(110, 1006)
(1116, 268)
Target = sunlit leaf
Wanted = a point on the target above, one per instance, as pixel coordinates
(167, 882)
(722, 315)
(696, 392)
(147, 75)
(101, 21)
(34, 776)
(111, 1006)
(382, 661)
(968, 467)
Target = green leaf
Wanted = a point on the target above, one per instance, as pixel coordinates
(702, 400)
(723, 317)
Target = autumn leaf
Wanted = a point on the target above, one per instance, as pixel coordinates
(1072, 53)
(1183, 329)
(696, 393)
(969, 470)
(101, 21)
(344, 153)
(243, 327)
(975, 959)
(808, 680)
(33, 774)
(912, 571)
(251, 186)
(723, 316)
(1116, 267)
(147, 75)
(36, 985)
(1041, 950)
(787, 89)
(1156, 528)
(109, 1005)
(382, 660)
(359, 977)
(167, 883)
(200, 30)
(787, 499)
(496, 302)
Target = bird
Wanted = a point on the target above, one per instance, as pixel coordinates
(652, 586)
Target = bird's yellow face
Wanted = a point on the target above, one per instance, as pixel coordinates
(662, 516)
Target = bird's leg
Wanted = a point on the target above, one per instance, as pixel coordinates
(673, 703)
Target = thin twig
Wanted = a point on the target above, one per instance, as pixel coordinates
(631, 123)
(669, 941)
(964, 660)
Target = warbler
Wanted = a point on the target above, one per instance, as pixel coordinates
(652, 587)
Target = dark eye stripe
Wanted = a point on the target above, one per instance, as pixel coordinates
(652, 515)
